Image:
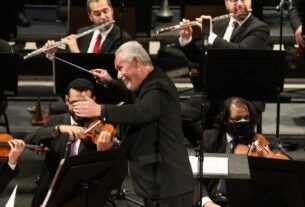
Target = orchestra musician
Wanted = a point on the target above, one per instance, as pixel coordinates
(240, 31)
(234, 129)
(152, 136)
(106, 41)
(9, 168)
(60, 134)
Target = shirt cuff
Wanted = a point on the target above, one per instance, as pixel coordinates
(183, 42)
(12, 166)
(212, 38)
(104, 114)
(204, 200)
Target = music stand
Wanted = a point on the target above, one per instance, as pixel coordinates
(65, 73)
(279, 183)
(87, 179)
(9, 67)
(256, 75)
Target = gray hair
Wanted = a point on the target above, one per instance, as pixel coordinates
(95, 1)
(133, 49)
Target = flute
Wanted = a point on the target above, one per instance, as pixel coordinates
(193, 23)
(61, 42)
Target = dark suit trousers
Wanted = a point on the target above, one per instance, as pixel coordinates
(184, 200)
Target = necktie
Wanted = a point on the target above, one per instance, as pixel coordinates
(235, 28)
(72, 148)
(97, 44)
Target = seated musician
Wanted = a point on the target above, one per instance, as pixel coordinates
(232, 133)
(59, 131)
(105, 41)
(9, 168)
(240, 31)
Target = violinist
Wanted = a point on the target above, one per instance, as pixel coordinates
(234, 129)
(9, 168)
(60, 134)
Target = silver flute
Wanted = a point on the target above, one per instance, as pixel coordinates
(193, 23)
(61, 42)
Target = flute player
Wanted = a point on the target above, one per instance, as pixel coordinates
(105, 41)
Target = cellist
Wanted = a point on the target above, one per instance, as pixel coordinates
(234, 132)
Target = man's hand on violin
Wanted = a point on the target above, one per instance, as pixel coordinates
(17, 147)
(87, 108)
(72, 43)
(74, 132)
(101, 76)
(104, 141)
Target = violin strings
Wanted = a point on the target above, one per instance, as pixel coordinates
(92, 126)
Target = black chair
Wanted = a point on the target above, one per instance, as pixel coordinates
(4, 48)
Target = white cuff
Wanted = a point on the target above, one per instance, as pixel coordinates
(183, 43)
(204, 200)
(212, 38)
(12, 166)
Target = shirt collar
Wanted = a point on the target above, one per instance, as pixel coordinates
(229, 138)
(72, 121)
(240, 23)
(103, 33)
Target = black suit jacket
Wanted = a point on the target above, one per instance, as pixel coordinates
(57, 147)
(6, 174)
(214, 141)
(153, 139)
(253, 34)
(111, 43)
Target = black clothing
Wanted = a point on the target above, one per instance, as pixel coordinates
(153, 140)
(57, 149)
(6, 174)
(111, 43)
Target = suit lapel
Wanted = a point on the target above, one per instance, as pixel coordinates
(240, 31)
(221, 26)
(108, 42)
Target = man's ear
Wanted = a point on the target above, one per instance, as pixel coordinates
(94, 98)
(66, 100)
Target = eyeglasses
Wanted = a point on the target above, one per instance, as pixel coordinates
(236, 1)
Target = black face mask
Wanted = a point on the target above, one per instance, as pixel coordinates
(241, 131)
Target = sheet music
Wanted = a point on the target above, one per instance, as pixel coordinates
(45, 202)
(11, 200)
(211, 165)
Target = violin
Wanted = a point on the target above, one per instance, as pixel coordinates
(5, 147)
(94, 129)
(259, 148)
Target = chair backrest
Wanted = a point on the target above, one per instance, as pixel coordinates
(5, 47)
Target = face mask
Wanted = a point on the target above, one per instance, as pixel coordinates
(242, 131)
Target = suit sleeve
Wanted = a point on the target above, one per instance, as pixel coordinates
(6, 175)
(43, 134)
(258, 39)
